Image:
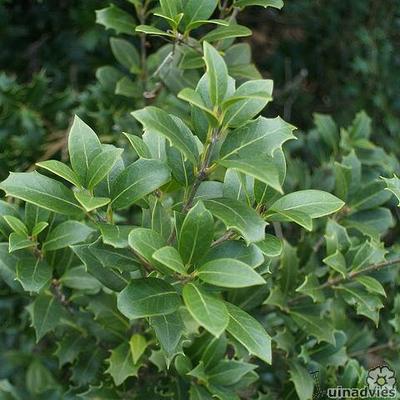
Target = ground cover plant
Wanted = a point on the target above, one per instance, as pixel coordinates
(210, 252)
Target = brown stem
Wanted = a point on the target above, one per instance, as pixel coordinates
(226, 236)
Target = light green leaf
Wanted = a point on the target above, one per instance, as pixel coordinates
(60, 169)
(115, 235)
(217, 73)
(66, 234)
(247, 101)
(299, 217)
(196, 234)
(78, 278)
(261, 136)
(311, 287)
(238, 216)
(369, 196)
(371, 284)
(195, 99)
(138, 180)
(90, 203)
(33, 274)
(121, 364)
(128, 88)
(46, 314)
(179, 135)
(41, 191)
(250, 333)
(195, 10)
(16, 225)
(302, 379)
(209, 311)
(148, 297)
(327, 129)
(138, 345)
(138, 145)
(126, 54)
(17, 241)
(170, 257)
(263, 3)
(226, 272)
(271, 246)
(152, 30)
(393, 185)
(226, 32)
(229, 372)
(337, 262)
(83, 147)
(113, 17)
(39, 228)
(101, 165)
(261, 168)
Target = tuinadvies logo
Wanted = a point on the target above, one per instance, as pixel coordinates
(381, 383)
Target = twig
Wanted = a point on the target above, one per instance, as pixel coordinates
(226, 236)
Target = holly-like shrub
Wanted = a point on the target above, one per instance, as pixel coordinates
(199, 261)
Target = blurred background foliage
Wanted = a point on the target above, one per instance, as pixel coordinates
(325, 56)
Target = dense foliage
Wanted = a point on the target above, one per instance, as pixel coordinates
(206, 252)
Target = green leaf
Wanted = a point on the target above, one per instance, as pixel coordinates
(41, 191)
(101, 165)
(303, 381)
(115, 235)
(327, 129)
(128, 88)
(38, 378)
(69, 347)
(126, 54)
(66, 234)
(170, 257)
(46, 314)
(60, 169)
(393, 185)
(138, 345)
(39, 228)
(250, 333)
(138, 180)
(371, 284)
(247, 101)
(314, 325)
(196, 234)
(263, 3)
(16, 225)
(271, 246)
(78, 278)
(148, 297)
(238, 216)
(145, 242)
(195, 10)
(138, 145)
(179, 135)
(90, 203)
(152, 30)
(311, 287)
(207, 310)
(113, 17)
(261, 136)
(337, 262)
(33, 274)
(83, 147)
(261, 168)
(369, 196)
(217, 73)
(19, 242)
(168, 329)
(312, 203)
(121, 364)
(195, 99)
(229, 372)
(226, 272)
(226, 32)
(6, 209)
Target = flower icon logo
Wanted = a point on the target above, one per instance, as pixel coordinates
(381, 377)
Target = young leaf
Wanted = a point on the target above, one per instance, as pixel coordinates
(16, 225)
(271, 246)
(148, 297)
(196, 233)
(33, 274)
(179, 135)
(138, 180)
(226, 272)
(62, 170)
(66, 234)
(195, 10)
(115, 235)
(226, 32)
(19, 242)
(90, 203)
(39, 228)
(138, 145)
(41, 191)
(152, 30)
(337, 262)
(170, 257)
(138, 345)
(250, 333)
(264, 3)
(207, 310)
(121, 364)
(113, 17)
(236, 215)
(217, 73)
(46, 314)
(83, 147)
